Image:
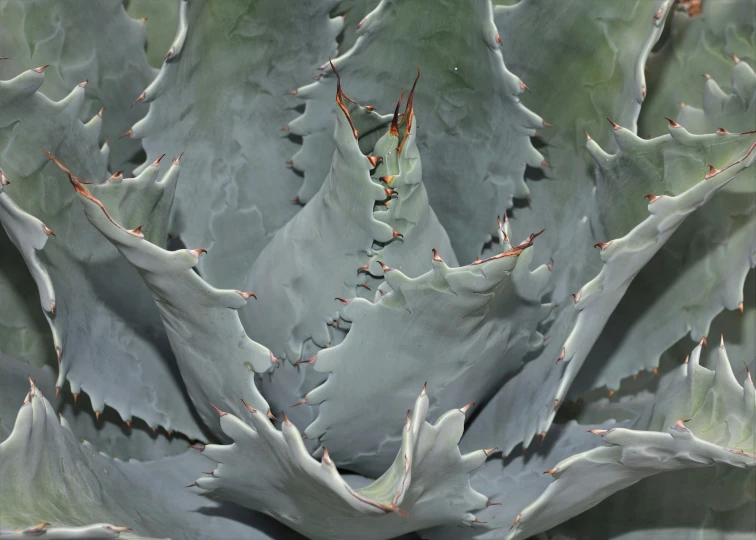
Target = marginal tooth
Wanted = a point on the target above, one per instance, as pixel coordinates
(652, 198)
(672, 123)
(437, 258)
(713, 171)
(220, 412)
(516, 521)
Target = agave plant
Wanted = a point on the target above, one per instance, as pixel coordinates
(397, 277)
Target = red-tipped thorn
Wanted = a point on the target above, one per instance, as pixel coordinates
(556, 404)
(614, 124)
(197, 252)
(169, 54)
(48, 232)
(576, 296)
(490, 503)
(249, 407)
(388, 179)
(602, 245)
(706, 76)
(424, 391)
(587, 136)
(651, 197)
(748, 378)
(600, 432)
(704, 342)
(550, 471)
(129, 133)
(489, 451)
(385, 267)
(343, 301)
(741, 308)
(546, 124)
(326, 457)
(193, 484)
(247, 295)
(722, 131)
(286, 418)
(141, 97)
(466, 408)
(177, 160)
(200, 447)
(374, 160)
(672, 123)
(659, 13)
(498, 40)
(436, 257)
(300, 402)
(524, 86)
(156, 163)
(713, 171)
(270, 415)
(545, 165)
(40, 69)
(396, 234)
(75, 398)
(220, 412)
(516, 521)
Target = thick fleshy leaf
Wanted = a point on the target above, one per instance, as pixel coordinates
(701, 270)
(677, 166)
(29, 236)
(46, 474)
(97, 43)
(330, 248)
(700, 418)
(699, 43)
(475, 325)
(597, 73)
(222, 97)
(427, 484)
(216, 358)
(102, 313)
(475, 141)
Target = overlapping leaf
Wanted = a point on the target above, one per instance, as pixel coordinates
(100, 303)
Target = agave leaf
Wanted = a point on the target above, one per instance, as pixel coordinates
(98, 43)
(474, 320)
(89, 311)
(227, 116)
(699, 43)
(161, 19)
(678, 166)
(700, 418)
(475, 144)
(104, 431)
(29, 236)
(329, 250)
(99, 531)
(216, 358)
(598, 71)
(427, 484)
(46, 474)
(700, 271)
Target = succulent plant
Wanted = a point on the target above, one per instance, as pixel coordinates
(431, 294)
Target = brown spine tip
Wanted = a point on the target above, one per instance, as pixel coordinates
(545, 165)
(394, 128)
(611, 393)
(115, 176)
(156, 163)
(672, 123)
(587, 136)
(561, 355)
(286, 418)
(556, 404)
(706, 76)
(713, 171)
(489, 451)
(602, 245)
(516, 521)
(704, 343)
(310, 360)
(388, 179)
(369, 108)
(466, 408)
(735, 58)
(137, 232)
(220, 412)
(524, 86)
(75, 398)
(498, 40)
(197, 252)
(359, 25)
(300, 402)
(397, 234)
(83, 83)
(385, 267)
(651, 197)
(424, 391)
(40, 69)
(365, 286)
(374, 160)
(748, 374)
(550, 471)
(97, 416)
(340, 100)
(286, 128)
(129, 133)
(326, 457)
(491, 503)
(659, 13)
(436, 257)
(342, 300)
(600, 432)
(722, 131)
(741, 308)
(247, 295)
(177, 160)
(193, 484)
(200, 447)
(614, 124)
(249, 407)
(576, 296)
(169, 54)
(128, 425)
(270, 415)
(48, 231)
(57, 392)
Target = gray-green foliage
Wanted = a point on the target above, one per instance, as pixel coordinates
(337, 231)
